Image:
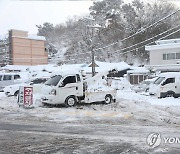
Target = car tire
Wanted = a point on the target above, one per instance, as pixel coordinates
(170, 94)
(70, 101)
(108, 99)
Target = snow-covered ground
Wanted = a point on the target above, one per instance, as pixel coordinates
(133, 106)
(145, 97)
(129, 121)
(129, 105)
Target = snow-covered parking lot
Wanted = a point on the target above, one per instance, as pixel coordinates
(128, 104)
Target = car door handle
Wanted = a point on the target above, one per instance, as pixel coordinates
(76, 88)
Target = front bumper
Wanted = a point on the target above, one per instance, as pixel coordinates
(49, 99)
(46, 100)
(8, 93)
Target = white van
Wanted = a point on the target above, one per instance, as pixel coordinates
(7, 79)
(166, 85)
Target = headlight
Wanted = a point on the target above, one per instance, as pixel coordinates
(53, 92)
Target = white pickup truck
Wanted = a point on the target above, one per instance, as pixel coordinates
(70, 89)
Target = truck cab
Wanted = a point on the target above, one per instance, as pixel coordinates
(63, 88)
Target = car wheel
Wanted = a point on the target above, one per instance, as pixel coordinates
(70, 101)
(108, 99)
(170, 94)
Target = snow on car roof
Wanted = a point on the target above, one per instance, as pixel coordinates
(170, 74)
(65, 72)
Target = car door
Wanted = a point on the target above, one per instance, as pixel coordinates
(67, 88)
(17, 79)
(177, 86)
(168, 85)
(6, 80)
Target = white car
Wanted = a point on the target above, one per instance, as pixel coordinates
(7, 79)
(37, 84)
(144, 85)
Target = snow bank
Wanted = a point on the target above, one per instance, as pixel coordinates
(130, 106)
(144, 97)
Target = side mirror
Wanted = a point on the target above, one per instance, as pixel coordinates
(162, 84)
(61, 84)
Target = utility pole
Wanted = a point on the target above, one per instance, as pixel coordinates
(93, 42)
(93, 64)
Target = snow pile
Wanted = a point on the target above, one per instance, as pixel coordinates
(130, 107)
(105, 66)
(144, 97)
(120, 83)
(36, 37)
(98, 83)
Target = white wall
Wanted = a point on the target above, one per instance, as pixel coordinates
(156, 56)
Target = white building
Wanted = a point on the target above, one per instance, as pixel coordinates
(165, 55)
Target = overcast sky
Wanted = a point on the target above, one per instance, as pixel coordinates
(25, 15)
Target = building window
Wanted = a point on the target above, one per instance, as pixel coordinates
(164, 56)
(170, 56)
(178, 55)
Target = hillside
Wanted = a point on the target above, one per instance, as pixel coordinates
(115, 30)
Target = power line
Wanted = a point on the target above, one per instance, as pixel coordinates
(149, 43)
(11, 59)
(170, 34)
(132, 45)
(147, 39)
(139, 31)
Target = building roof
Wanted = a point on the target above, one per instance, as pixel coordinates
(36, 37)
(170, 74)
(33, 37)
(169, 41)
(164, 44)
(165, 67)
(103, 66)
(138, 70)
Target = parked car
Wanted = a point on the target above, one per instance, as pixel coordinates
(7, 79)
(166, 85)
(37, 83)
(144, 85)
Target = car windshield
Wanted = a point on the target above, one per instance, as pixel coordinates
(159, 80)
(38, 81)
(53, 81)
